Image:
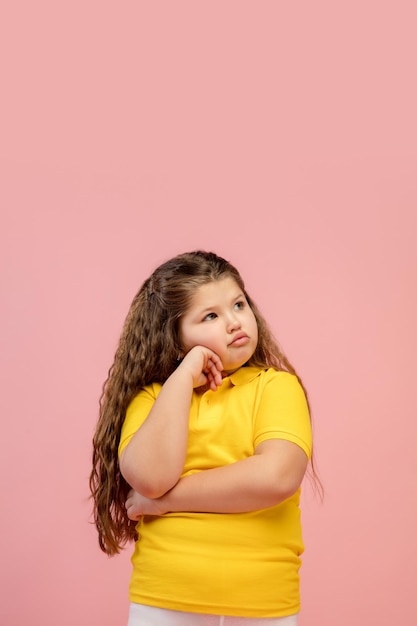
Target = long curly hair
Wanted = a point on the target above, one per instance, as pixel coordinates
(147, 353)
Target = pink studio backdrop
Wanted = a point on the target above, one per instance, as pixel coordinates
(281, 135)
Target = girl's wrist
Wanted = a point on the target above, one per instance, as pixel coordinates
(162, 505)
(183, 376)
(166, 502)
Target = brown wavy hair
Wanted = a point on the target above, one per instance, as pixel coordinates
(148, 352)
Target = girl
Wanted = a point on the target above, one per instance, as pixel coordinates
(202, 443)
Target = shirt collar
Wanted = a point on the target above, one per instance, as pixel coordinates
(245, 375)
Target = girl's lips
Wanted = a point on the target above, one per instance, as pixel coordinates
(240, 340)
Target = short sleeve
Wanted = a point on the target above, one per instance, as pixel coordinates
(137, 412)
(282, 412)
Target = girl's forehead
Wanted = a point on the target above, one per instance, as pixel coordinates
(214, 290)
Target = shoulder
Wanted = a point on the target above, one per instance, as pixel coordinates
(147, 394)
(272, 378)
(284, 385)
(137, 412)
(282, 379)
(281, 376)
(283, 411)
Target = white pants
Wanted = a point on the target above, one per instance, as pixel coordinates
(142, 615)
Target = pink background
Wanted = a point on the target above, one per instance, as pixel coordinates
(284, 137)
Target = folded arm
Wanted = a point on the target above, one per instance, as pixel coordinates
(153, 460)
(265, 479)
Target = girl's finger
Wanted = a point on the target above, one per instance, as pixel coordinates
(216, 361)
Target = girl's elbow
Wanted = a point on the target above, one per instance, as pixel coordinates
(288, 490)
(147, 487)
(285, 487)
(279, 492)
(152, 480)
(153, 490)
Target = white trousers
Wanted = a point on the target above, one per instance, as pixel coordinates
(142, 615)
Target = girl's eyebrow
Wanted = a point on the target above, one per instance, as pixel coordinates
(207, 309)
(214, 306)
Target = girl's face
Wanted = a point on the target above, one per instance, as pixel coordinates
(221, 319)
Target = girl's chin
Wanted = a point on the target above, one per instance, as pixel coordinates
(231, 369)
(226, 373)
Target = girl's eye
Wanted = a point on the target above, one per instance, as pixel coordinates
(239, 305)
(210, 316)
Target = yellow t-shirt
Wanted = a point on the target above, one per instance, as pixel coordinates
(243, 564)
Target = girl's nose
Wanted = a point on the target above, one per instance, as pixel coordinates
(233, 323)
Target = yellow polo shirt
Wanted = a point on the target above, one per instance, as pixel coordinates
(243, 564)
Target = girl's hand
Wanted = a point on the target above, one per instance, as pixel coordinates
(137, 506)
(205, 367)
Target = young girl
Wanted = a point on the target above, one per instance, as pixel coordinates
(203, 439)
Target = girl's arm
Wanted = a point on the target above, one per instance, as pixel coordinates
(265, 479)
(153, 460)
